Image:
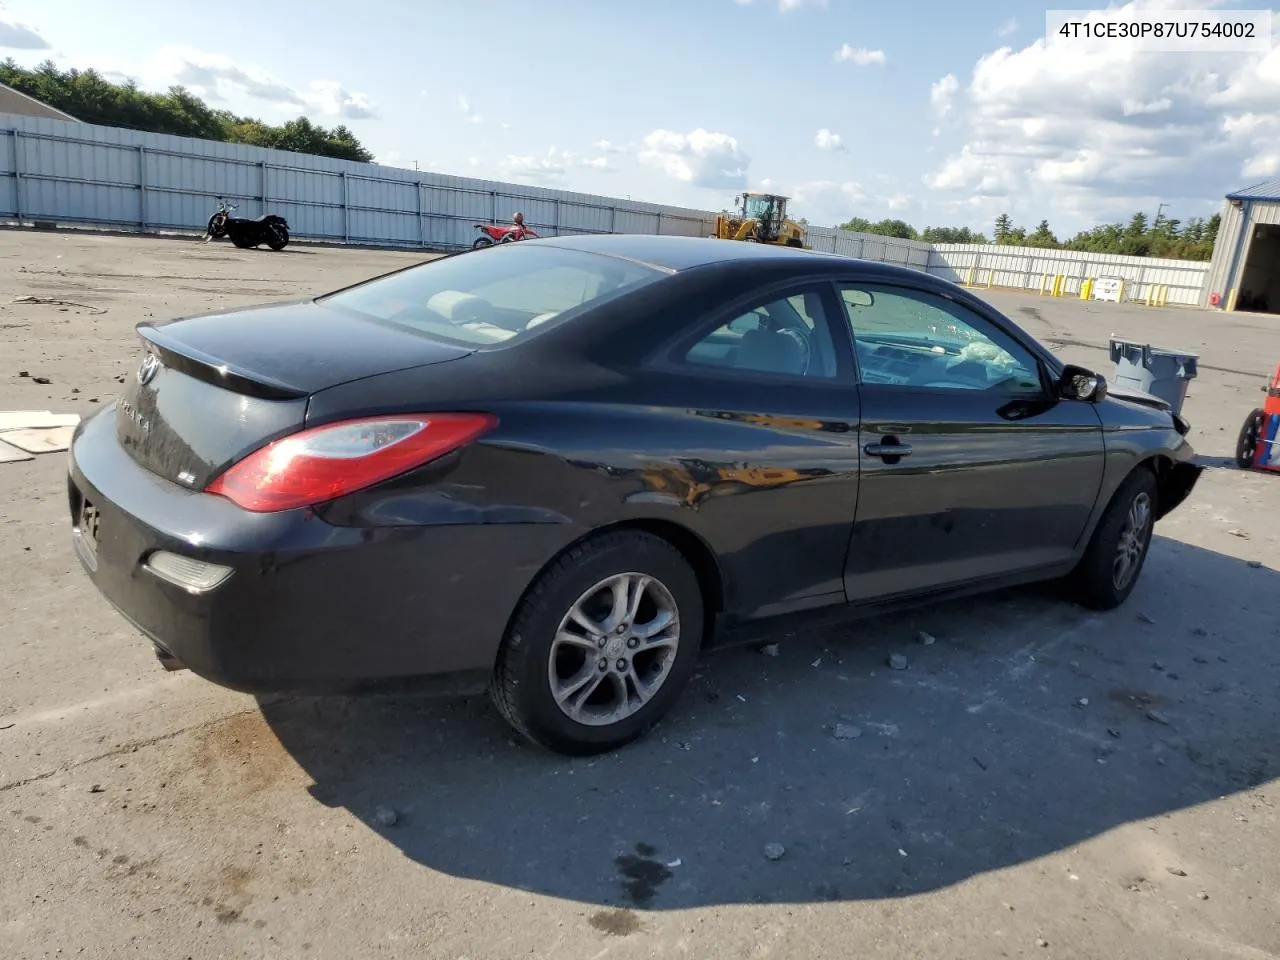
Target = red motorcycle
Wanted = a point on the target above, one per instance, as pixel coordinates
(491, 234)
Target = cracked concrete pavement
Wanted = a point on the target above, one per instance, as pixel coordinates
(1040, 781)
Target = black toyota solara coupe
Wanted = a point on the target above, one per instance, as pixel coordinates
(560, 469)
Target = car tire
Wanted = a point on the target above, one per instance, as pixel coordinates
(550, 657)
(1113, 561)
(1247, 441)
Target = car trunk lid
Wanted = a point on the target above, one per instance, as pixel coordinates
(211, 389)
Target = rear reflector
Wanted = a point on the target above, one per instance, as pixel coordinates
(336, 459)
(194, 576)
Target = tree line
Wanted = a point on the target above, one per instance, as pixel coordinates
(90, 97)
(1164, 237)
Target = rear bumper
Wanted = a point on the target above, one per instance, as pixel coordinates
(310, 607)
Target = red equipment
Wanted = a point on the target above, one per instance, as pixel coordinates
(491, 234)
(1258, 447)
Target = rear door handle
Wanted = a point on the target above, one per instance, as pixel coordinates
(888, 451)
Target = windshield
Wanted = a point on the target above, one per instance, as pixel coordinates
(759, 207)
(494, 295)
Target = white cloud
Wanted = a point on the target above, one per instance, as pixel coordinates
(827, 202)
(826, 140)
(1096, 132)
(19, 36)
(786, 6)
(942, 94)
(1006, 28)
(464, 106)
(860, 55)
(550, 168)
(608, 146)
(217, 77)
(701, 158)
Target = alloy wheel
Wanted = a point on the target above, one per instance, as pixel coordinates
(614, 649)
(1133, 542)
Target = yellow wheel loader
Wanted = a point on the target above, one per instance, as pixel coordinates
(760, 218)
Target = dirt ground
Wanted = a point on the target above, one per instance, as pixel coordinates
(1040, 782)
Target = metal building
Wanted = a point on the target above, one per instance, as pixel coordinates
(16, 102)
(1245, 271)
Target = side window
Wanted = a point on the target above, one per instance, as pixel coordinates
(914, 339)
(788, 336)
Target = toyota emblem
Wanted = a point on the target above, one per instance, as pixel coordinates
(147, 371)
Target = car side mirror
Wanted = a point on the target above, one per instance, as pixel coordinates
(1079, 383)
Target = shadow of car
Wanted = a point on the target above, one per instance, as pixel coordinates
(1028, 727)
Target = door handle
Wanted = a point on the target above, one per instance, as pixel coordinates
(891, 451)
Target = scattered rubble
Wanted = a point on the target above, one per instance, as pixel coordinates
(385, 817)
(927, 639)
(847, 731)
(769, 649)
(774, 851)
(897, 661)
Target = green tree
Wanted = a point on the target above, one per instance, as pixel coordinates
(1042, 236)
(951, 235)
(1003, 227)
(88, 96)
(884, 228)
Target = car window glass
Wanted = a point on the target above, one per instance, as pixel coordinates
(493, 295)
(909, 338)
(789, 335)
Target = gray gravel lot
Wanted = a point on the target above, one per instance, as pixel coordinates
(1040, 781)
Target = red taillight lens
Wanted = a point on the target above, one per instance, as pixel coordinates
(339, 458)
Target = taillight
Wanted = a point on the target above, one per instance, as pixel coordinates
(340, 458)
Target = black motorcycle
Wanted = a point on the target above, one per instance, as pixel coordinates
(271, 229)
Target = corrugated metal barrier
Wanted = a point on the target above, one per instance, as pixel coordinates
(76, 173)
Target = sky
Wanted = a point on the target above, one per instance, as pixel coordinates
(927, 111)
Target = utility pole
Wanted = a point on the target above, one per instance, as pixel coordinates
(1160, 208)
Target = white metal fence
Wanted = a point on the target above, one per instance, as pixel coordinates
(76, 173)
(1031, 268)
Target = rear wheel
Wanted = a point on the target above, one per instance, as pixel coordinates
(278, 237)
(1109, 569)
(1247, 442)
(481, 243)
(602, 645)
(795, 242)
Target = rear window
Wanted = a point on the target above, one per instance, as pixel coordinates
(494, 295)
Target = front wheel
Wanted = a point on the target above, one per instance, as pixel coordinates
(602, 644)
(1247, 442)
(1109, 569)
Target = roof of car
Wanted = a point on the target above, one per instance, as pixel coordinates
(683, 253)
